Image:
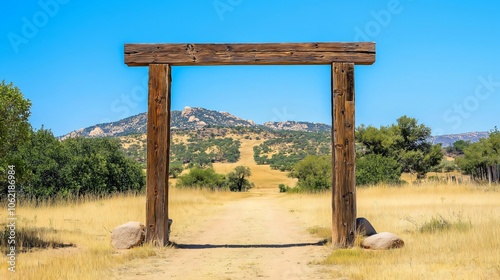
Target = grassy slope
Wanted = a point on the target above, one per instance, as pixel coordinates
(264, 178)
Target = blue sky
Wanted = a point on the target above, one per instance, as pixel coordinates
(437, 61)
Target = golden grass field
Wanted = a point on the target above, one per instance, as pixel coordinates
(469, 250)
(467, 246)
(88, 223)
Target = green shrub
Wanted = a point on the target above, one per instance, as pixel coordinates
(202, 178)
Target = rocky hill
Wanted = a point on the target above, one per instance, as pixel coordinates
(298, 126)
(189, 118)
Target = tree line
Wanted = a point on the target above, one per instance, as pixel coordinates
(382, 154)
(48, 168)
(481, 160)
(197, 152)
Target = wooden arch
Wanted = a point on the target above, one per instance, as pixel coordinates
(341, 56)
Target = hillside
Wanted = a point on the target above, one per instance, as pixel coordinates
(188, 119)
(298, 126)
(200, 118)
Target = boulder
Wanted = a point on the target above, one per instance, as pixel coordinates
(128, 235)
(382, 241)
(364, 227)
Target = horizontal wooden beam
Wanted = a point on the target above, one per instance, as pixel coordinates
(250, 54)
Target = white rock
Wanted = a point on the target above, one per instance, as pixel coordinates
(382, 241)
(187, 110)
(128, 235)
(96, 132)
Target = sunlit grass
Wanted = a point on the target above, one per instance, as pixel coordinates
(84, 228)
(450, 231)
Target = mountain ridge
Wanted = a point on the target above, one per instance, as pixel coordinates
(192, 118)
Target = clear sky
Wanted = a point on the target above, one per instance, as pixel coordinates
(437, 61)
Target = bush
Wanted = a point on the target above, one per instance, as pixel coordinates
(286, 189)
(202, 178)
(439, 223)
(314, 173)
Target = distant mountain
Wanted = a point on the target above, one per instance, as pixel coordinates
(195, 118)
(448, 140)
(131, 125)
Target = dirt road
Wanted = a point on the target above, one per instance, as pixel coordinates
(252, 238)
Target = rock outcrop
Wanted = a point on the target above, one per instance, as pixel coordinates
(128, 235)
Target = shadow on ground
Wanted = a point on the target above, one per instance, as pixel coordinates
(244, 246)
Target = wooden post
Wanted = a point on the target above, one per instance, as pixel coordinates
(158, 154)
(343, 156)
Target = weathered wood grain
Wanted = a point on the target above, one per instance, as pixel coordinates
(250, 54)
(343, 156)
(158, 146)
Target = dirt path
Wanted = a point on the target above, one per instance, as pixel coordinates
(251, 238)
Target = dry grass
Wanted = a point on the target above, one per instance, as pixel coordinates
(466, 248)
(88, 223)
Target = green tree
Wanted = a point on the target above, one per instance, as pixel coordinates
(482, 159)
(406, 142)
(237, 179)
(14, 131)
(458, 147)
(373, 169)
(46, 162)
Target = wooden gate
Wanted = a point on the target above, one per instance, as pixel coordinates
(341, 56)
